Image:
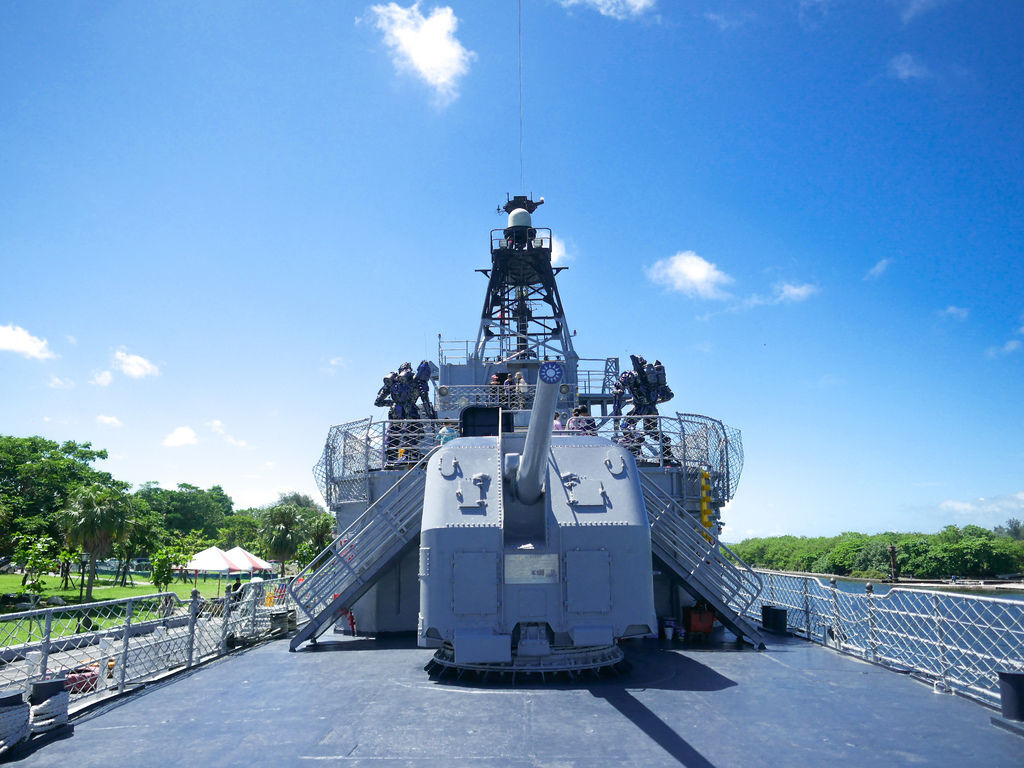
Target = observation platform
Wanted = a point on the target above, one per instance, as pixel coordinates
(369, 702)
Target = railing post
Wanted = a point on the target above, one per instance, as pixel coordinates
(225, 618)
(124, 646)
(193, 613)
(872, 640)
(835, 613)
(807, 609)
(252, 615)
(45, 658)
(943, 667)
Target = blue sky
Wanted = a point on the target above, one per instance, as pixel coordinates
(221, 223)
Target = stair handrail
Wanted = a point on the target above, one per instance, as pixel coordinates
(710, 545)
(305, 578)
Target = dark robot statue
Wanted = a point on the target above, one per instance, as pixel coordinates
(647, 388)
(401, 391)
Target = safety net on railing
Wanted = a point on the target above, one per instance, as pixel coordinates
(959, 641)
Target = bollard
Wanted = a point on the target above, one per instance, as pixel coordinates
(1011, 694)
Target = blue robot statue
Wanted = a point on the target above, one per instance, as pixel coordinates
(423, 389)
(401, 391)
(647, 387)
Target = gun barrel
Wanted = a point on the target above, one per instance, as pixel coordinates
(530, 475)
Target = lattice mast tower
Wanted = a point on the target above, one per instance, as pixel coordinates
(522, 318)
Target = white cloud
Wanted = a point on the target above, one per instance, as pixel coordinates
(783, 293)
(910, 9)
(987, 512)
(726, 23)
(425, 45)
(14, 338)
(181, 436)
(905, 67)
(878, 270)
(218, 427)
(102, 379)
(789, 293)
(339, 362)
(110, 421)
(1007, 349)
(957, 313)
(71, 339)
(559, 253)
(56, 382)
(617, 9)
(690, 274)
(134, 366)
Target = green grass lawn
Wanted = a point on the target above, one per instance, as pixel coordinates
(104, 589)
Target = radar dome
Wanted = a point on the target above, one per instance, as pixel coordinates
(520, 217)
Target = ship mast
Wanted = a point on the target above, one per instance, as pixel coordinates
(522, 317)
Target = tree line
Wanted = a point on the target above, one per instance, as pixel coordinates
(968, 552)
(58, 510)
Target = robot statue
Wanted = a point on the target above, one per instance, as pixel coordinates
(423, 389)
(647, 388)
(400, 393)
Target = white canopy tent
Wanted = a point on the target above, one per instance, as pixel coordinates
(215, 559)
(252, 562)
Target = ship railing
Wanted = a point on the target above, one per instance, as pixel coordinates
(692, 442)
(511, 398)
(542, 239)
(354, 449)
(347, 567)
(597, 375)
(102, 649)
(708, 568)
(956, 642)
(454, 351)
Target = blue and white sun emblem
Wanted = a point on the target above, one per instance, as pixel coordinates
(550, 372)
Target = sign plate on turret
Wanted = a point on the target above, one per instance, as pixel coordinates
(531, 569)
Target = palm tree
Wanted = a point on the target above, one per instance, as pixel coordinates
(95, 518)
(282, 532)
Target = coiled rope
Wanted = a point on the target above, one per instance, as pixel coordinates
(50, 714)
(14, 727)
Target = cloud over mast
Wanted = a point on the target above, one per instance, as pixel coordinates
(425, 46)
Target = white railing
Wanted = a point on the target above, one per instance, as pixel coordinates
(696, 443)
(101, 649)
(348, 566)
(958, 642)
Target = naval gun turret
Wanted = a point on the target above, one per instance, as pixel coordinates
(535, 548)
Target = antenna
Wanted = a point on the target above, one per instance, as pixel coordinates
(522, 174)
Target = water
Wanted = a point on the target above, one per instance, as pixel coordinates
(858, 588)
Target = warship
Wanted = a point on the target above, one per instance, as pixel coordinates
(528, 572)
(521, 508)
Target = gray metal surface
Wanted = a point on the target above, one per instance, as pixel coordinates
(364, 703)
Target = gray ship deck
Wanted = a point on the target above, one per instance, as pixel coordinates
(365, 702)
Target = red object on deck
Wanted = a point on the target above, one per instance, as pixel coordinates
(695, 620)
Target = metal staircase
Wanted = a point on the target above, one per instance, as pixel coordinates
(698, 558)
(349, 566)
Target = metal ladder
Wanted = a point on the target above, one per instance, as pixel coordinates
(352, 563)
(698, 558)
